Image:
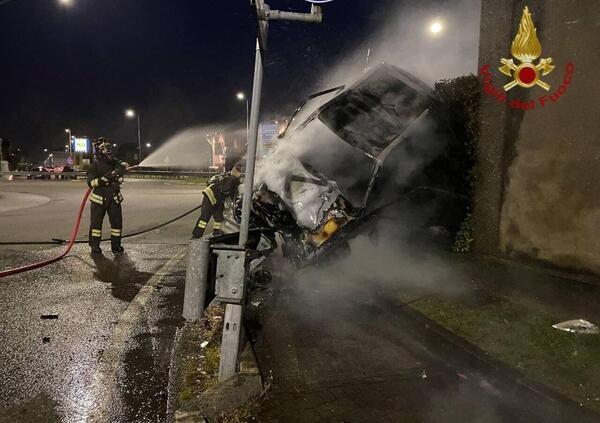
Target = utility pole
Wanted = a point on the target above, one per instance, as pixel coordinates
(230, 345)
(69, 136)
(139, 131)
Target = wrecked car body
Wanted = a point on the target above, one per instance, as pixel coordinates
(346, 154)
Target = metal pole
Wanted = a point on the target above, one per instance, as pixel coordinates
(232, 331)
(69, 141)
(139, 138)
(196, 278)
(247, 118)
(232, 324)
(251, 152)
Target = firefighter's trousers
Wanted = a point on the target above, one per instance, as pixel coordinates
(115, 217)
(207, 210)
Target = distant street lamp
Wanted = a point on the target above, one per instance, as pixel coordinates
(241, 97)
(436, 27)
(45, 150)
(66, 3)
(130, 114)
(148, 145)
(68, 131)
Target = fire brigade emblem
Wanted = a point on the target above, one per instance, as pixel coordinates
(526, 48)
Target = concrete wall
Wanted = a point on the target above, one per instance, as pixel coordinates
(538, 192)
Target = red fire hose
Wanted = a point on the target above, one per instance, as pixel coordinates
(57, 258)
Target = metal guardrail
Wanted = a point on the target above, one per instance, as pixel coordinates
(137, 174)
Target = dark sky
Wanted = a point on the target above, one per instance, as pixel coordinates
(179, 62)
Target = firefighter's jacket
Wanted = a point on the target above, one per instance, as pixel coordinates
(221, 187)
(103, 176)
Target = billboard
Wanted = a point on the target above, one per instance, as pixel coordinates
(81, 145)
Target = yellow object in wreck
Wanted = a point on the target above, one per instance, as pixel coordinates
(328, 229)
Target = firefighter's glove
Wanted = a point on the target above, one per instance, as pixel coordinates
(112, 176)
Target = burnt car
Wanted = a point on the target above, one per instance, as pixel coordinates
(349, 153)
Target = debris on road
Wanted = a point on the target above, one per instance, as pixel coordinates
(204, 344)
(45, 339)
(578, 326)
(424, 375)
(49, 316)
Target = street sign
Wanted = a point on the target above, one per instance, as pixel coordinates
(268, 133)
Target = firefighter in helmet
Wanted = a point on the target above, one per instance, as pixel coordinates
(105, 177)
(220, 187)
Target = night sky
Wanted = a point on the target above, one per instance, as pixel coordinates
(178, 62)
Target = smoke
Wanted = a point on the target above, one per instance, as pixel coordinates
(406, 41)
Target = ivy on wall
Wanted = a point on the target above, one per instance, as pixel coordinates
(457, 101)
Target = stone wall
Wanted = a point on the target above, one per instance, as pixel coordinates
(538, 192)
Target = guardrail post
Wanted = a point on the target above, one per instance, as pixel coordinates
(229, 289)
(196, 277)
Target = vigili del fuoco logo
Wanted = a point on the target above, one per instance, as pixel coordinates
(526, 49)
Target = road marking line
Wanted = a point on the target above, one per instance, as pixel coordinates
(105, 380)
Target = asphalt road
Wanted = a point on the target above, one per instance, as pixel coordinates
(43, 210)
(89, 339)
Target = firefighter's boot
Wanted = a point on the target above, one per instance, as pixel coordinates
(115, 241)
(217, 229)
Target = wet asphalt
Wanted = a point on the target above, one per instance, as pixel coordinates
(340, 343)
(89, 338)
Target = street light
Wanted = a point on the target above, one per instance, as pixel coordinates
(436, 27)
(66, 3)
(148, 145)
(68, 131)
(241, 97)
(130, 114)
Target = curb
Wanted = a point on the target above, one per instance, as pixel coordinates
(227, 396)
(222, 398)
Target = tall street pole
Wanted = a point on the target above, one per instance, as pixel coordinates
(247, 120)
(252, 141)
(139, 131)
(265, 14)
(230, 344)
(69, 136)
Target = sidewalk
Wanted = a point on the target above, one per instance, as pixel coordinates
(341, 346)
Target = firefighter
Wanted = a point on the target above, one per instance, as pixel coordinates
(105, 176)
(219, 188)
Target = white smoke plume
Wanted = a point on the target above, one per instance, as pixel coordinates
(406, 41)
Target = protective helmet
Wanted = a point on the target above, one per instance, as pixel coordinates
(235, 172)
(237, 169)
(102, 146)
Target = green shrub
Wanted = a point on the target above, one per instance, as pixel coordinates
(457, 103)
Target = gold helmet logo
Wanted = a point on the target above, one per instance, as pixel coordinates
(526, 47)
